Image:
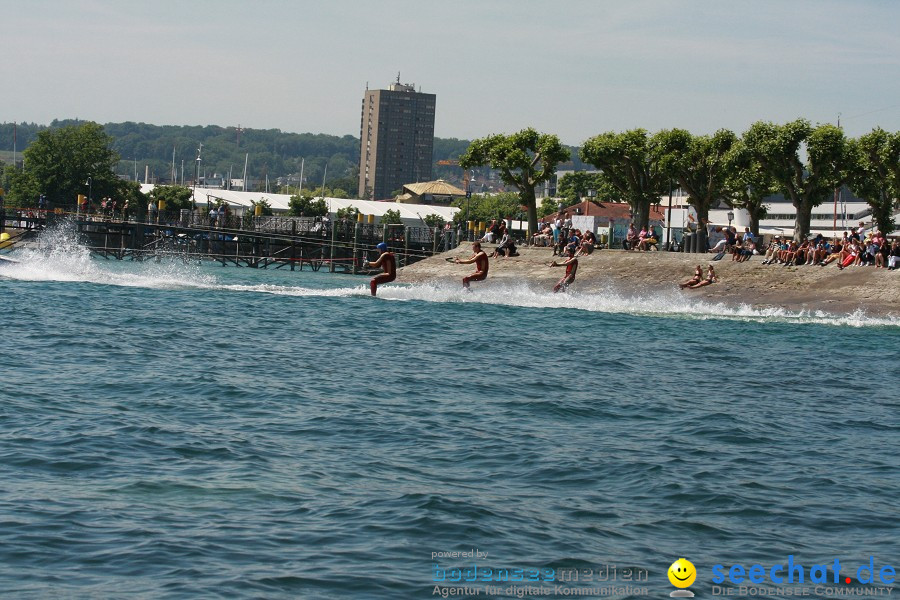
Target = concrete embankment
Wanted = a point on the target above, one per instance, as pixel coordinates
(875, 291)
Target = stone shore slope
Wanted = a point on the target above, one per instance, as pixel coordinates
(811, 288)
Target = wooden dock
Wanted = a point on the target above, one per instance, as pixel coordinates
(255, 242)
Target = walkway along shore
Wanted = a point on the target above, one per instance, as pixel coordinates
(811, 288)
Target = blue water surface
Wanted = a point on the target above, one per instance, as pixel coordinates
(193, 431)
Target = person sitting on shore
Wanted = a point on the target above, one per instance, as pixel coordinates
(710, 279)
(718, 235)
(817, 252)
(630, 238)
(559, 248)
(727, 243)
(544, 237)
(744, 251)
(588, 241)
(802, 253)
(575, 237)
(488, 237)
(697, 278)
(638, 242)
(647, 239)
(894, 256)
(506, 247)
(787, 255)
(850, 254)
(773, 250)
(835, 252)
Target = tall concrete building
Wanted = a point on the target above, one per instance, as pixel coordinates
(396, 139)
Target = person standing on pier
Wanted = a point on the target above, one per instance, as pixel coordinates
(387, 262)
(481, 265)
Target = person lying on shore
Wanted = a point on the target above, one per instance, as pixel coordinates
(710, 279)
(697, 278)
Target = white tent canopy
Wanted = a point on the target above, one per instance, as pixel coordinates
(412, 214)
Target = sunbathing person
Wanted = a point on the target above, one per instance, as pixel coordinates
(710, 279)
(697, 278)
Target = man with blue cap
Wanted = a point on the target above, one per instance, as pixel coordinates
(387, 262)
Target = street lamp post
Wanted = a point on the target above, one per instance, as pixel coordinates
(468, 197)
(730, 217)
(90, 184)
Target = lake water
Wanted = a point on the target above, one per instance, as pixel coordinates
(193, 431)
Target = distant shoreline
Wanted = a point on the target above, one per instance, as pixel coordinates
(876, 292)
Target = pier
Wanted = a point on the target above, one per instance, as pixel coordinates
(246, 241)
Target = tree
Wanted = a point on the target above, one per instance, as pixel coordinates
(630, 166)
(524, 160)
(176, 197)
(307, 206)
(391, 217)
(875, 174)
(350, 212)
(749, 184)
(68, 161)
(21, 189)
(484, 207)
(434, 220)
(575, 186)
(807, 184)
(265, 209)
(700, 164)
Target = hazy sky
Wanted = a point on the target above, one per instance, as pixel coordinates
(573, 68)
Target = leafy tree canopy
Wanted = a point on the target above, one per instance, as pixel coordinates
(65, 162)
(699, 163)
(484, 207)
(779, 149)
(176, 197)
(391, 217)
(349, 212)
(875, 174)
(307, 206)
(630, 165)
(524, 160)
(434, 220)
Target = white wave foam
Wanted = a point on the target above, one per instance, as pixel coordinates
(613, 301)
(62, 259)
(57, 256)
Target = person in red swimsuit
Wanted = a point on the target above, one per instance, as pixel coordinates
(571, 265)
(481, 265)
(387, 262)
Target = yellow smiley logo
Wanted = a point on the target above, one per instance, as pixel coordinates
(682, 573)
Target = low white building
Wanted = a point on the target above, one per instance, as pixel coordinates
(412, 215)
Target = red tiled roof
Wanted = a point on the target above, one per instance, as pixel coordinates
(608, 210)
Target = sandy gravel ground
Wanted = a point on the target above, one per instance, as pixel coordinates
(874, 291)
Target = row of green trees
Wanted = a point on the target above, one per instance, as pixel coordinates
(270, 153)
(804, 162)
